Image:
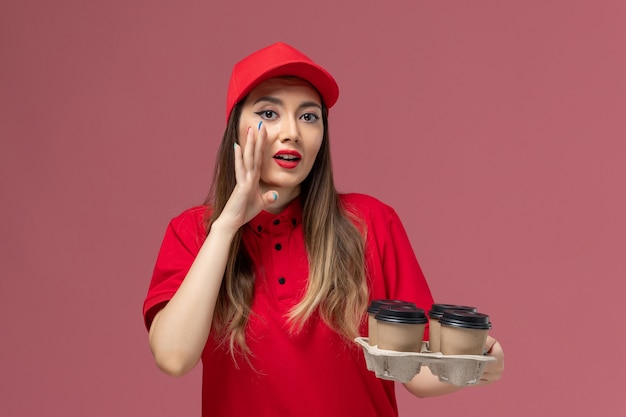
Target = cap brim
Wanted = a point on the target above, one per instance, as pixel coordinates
(323, 82)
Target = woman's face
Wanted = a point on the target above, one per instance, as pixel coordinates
(291, 112)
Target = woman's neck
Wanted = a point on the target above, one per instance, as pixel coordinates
(285, 197)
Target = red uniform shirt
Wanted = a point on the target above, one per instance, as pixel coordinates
(311, 373)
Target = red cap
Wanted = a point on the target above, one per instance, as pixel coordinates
(278, 60)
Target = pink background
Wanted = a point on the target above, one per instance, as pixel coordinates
(495, 128)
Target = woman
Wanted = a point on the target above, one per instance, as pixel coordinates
(268, 282)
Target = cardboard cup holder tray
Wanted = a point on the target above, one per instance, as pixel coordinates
(458, 370)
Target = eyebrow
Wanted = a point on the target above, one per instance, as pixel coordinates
(279, 102)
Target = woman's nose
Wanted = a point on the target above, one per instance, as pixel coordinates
(289, 130)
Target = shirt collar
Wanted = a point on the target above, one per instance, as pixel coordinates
(290, 217)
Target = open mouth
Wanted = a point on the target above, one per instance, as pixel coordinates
(285, 157)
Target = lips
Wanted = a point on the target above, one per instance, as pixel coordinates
(287, 158)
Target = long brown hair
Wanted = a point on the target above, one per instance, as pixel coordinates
(337, 286)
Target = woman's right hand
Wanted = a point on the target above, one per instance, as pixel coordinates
(179, 332)
(247, 199)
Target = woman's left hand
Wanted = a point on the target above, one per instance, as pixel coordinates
(493, 370)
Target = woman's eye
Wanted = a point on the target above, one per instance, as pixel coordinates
(267, 114)
(309, 117)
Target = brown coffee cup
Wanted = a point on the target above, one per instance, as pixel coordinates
(434, 314)
(463, 332)
(400, 328)
(372, 310)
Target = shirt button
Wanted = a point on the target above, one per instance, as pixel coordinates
(259, 228)
(293, 221)
(278, 246)
(276, 222)
(281, 280)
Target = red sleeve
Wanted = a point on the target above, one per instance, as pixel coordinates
(392, 267)
(182, 241)
(403, 274)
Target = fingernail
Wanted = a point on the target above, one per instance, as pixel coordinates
(260, 123)
(275, 196)
(248, 131)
